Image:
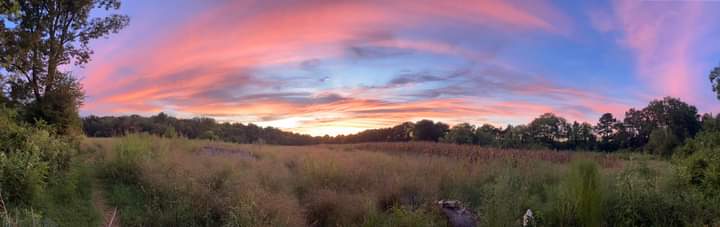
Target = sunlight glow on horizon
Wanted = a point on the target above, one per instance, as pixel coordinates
(319, 67)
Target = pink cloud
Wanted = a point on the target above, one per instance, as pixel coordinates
(483, 12)
(662, 36)
(219, 49)
(225, 38)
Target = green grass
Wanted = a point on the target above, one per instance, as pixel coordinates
(67, 201)
(70, 202)
(172, 182)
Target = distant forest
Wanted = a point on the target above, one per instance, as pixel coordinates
(658, 128)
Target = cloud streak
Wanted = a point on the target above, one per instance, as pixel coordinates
(667, 39)
(342, 66)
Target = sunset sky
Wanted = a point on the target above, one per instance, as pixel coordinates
(338, 67)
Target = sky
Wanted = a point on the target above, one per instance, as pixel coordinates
(339, 67)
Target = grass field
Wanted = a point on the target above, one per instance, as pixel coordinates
(177, 182)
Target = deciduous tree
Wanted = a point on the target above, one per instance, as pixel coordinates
(715, 80)
(44, 35)
(549, 129)
(427, 130)
(461, 134)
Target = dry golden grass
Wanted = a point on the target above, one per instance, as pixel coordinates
(474, 153)
(343, 185)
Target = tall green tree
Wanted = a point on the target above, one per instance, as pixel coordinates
(402, 132)
(672, 115)
(549, 129)
(427, 130)
(605, 129)
(44, 35)
(580, 136)
(680, 118)
(487, 134)
(710, 123)
(715, 80)
(461, 134)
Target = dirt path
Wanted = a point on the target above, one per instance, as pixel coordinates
(110, 214)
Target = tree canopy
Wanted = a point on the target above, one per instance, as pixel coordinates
(427, 130)
(715, 80)
(657, 128)
(42, 36)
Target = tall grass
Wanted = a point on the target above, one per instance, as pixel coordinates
(175, 182)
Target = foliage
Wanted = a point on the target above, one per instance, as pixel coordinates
(129, 154)
(605, 129)
(662, 142)
(699, 161)
(427, 130)
(70, 198)
(461, 134)
(669, 121)
(395, 184)
(583, 186)
(45, 36)
(679, 118)
(710, 123)
(487, 135)
(39, 181)
(714, 77)
(580, 137)
(196, 128)
(28, 155)
(548, 129)
(59, 106)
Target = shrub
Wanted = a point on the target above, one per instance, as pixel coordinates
(662, 142)
(28, 156)
(699, 163)
(40, 184)
(646, 196)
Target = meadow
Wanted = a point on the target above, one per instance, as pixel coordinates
(155, 181)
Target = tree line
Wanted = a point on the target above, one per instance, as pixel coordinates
(194, 128)
(657, 128)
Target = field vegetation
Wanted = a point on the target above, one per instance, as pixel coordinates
(179, 182)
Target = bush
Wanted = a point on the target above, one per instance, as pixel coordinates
(23, 178)
(662, 142)
(28, 156)
(656, 196)
(40, 184)
(699, 163)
